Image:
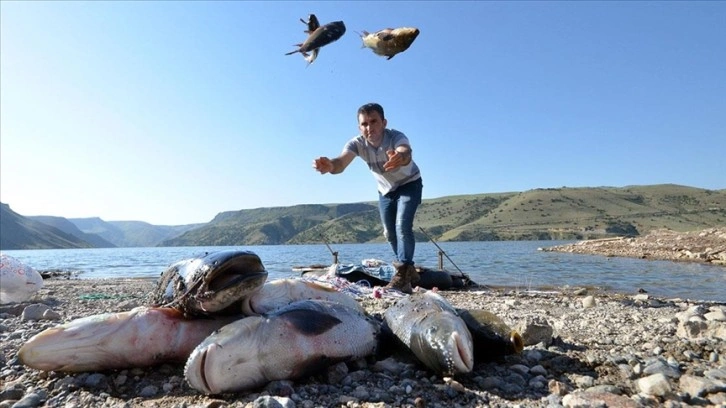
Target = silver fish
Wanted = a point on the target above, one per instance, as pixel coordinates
(430, 327)
(280, 292)
(297, 340)
(493, 339)
(140, 337)
(321, 36)
(210, 283)
(390, 41)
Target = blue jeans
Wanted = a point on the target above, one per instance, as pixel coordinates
(397, 210)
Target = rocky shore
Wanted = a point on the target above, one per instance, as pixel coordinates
(707, 246)
(582, 350)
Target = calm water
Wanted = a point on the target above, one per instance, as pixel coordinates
(516, 264)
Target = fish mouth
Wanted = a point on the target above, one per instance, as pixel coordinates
(235, 268)
(203, 373)
(196, 370)
(463, 358)
(234, 280)
(517, 342)
(231, 277)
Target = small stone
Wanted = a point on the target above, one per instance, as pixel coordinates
(148, 391)
(588, 302)
(656, 384)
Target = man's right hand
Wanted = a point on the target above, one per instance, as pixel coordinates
(323, 165)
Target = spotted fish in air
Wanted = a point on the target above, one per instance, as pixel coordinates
(390, 41)
(318, 36)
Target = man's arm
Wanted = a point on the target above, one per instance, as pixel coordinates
(333, 166)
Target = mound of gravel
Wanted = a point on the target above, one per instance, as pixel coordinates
(707, 246)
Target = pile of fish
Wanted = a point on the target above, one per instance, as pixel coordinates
(234, 331)
(387, 42)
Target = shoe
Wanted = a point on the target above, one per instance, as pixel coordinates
(405, 275)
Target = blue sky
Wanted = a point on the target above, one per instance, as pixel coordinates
(171, 112)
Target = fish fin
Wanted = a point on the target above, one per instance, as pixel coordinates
(297, 50)
(363, 33)
(391, 56)
(312, 57)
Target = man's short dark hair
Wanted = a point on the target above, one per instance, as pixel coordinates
(370, 108)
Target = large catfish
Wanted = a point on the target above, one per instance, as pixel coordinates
(143, 336)
(297, 340)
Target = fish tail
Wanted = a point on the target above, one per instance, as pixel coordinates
(291, 52)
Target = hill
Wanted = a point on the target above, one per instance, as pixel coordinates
(130, 233)
(539, 214)
(18, 232)
(68, 227)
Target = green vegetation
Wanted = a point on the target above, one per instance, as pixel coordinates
(539, 214)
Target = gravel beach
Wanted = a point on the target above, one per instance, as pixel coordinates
(582, 349)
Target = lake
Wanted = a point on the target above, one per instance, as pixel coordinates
(515, 264)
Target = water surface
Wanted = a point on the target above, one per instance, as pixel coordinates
(516, 264)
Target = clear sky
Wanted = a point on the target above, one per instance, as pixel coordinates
(171, 112)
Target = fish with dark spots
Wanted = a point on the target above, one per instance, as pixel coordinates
(390, 41)
(318, 38)
(290, 343)
(210, 284)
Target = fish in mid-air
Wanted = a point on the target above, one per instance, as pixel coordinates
(318, 36)
(390, 41)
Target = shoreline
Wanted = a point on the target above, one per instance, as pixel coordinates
(629, 350)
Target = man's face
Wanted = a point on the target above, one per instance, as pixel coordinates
(371, 127)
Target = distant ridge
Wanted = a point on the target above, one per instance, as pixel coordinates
(541, 214)
(18, 232)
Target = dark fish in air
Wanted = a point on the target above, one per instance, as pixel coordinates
(319, 37)
(211, 283)
(389, 42)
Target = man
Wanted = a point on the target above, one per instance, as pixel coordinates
(387, 153)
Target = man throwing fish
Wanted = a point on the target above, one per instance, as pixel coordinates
(387, 152)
